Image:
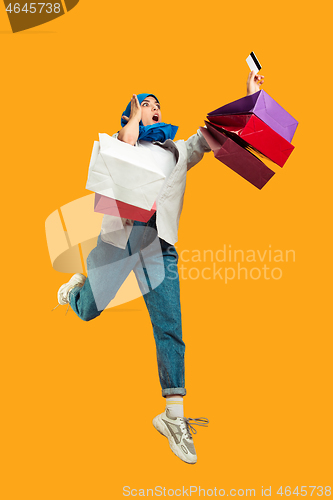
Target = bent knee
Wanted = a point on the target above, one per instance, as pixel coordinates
(88, 315)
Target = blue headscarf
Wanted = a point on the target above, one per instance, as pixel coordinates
(156, 132)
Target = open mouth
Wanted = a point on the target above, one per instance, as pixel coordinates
(155, 118)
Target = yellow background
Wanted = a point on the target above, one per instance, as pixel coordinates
(78, 398)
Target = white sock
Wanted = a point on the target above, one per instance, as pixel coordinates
(174, 405)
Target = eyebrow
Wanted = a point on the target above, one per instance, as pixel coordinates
(146, 100)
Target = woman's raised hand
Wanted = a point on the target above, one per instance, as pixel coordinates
(130, 132)
(135, 110)
(254, 83)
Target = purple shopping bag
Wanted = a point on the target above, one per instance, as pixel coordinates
(265, 108)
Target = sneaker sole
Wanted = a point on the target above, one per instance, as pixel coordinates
(162, 429)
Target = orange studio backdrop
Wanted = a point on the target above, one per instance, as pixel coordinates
(78, 398)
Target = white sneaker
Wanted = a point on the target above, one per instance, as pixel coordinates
(63, 292)
(178, 431)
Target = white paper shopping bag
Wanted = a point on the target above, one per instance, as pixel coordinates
(124, 172)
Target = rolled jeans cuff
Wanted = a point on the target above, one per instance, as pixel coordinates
(179, 391)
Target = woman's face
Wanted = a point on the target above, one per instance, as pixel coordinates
(150, 111)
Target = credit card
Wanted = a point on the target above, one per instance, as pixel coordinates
(253, 62)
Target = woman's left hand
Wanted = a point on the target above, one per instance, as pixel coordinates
(254, 83)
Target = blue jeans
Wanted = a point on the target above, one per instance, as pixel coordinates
(154, 263)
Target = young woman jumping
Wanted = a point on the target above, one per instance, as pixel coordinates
(119, 252)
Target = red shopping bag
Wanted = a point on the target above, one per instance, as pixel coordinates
(109, 206)
(256, 133)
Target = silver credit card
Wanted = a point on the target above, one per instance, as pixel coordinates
(253, 62)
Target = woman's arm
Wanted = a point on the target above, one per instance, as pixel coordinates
(196, 145)
(254, 82)
(130, 132)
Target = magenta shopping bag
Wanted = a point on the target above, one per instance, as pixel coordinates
(241, 161)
